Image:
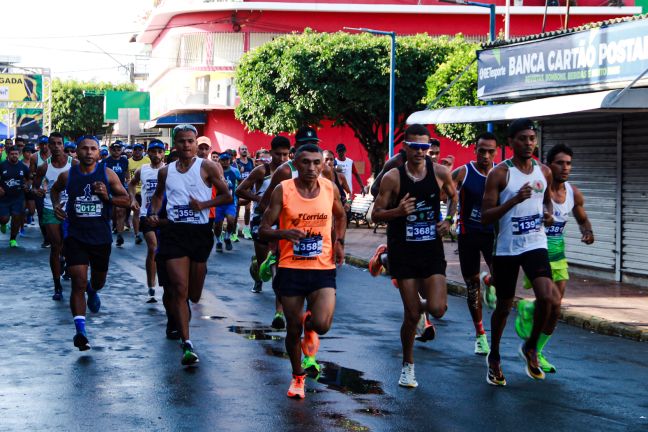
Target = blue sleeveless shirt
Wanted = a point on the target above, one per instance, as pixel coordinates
(88, 217)
(471, 195)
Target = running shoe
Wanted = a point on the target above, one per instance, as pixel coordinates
(310, 364)
(219, 247)
(81, 341)
(488, 290)
(94, 302)
(247, 234)
(545, 365)
(481, 345)
(65, 275)
(530, 358)
(425, 330)
(234, 237)
(254, 269)
(495, 376)
(22, 232)
(151, 293)
(3, 228)
(296, 389)
(310, 340)
(138, 239)
(375, 264)
(279, 321)
(13, 244)
(265, 269)
(189, 357)
(524, 318)
(407, 377)
(120, 240)
(58, 295)
(46, 244)
(258, 287)
(228, 244)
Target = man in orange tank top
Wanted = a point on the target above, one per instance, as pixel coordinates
(308, 208)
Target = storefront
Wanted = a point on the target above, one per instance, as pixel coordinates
(561, 81)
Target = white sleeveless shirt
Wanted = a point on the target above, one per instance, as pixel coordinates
(561, 212)
(149, 179)
(520, 229)
(51, 175)
(180, 187)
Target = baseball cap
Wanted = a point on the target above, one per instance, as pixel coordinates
(156, 144)
(103, 152)
(225, 155)
(340, 147)
(69, 144)
(29, 148)
(204, 140)
(117, 144)
(519, 125)
(138, 146)
(306, 134)
(43, 139)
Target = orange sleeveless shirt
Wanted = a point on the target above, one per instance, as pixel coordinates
(313, 216)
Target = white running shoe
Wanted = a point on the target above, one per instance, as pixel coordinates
(407, 377)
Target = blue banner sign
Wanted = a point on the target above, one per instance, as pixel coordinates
(600, 58)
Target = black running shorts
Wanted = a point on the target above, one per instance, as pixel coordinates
(79, 253)
(405, 264)
(179, 240)
(534, 263)
(470, 245)
(294, 282)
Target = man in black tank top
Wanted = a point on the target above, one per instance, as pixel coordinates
(408, 201)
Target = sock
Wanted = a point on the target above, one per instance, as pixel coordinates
(79, 323)
(188, 342)
(479, 328)
(542, 341)
(226, 236)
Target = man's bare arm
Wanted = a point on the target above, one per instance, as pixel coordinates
(244, 189)
(120, 197)
(495, 182)
(581, 217)
(282, 173)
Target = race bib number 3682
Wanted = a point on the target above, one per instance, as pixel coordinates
(420, 231)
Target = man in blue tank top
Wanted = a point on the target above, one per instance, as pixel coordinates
(119, 164)
(475, 237)
(92, 191)
(517, 200)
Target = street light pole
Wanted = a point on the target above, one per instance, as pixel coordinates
(392, 81)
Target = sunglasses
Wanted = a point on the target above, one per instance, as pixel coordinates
(417, 146)
(184, 128)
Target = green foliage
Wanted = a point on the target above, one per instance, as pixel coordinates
(75, 114)
(462, 93)
(307, 78)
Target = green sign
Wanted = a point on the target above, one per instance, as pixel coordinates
(114, 100)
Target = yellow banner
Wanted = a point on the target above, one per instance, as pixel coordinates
(21, 88)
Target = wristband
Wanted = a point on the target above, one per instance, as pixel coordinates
(449, 218)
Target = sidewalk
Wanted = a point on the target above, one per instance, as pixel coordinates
(605, 307)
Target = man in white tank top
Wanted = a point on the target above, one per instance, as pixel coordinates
(46, 175)
(518, 201)
(147, 175)
(566, 199)
(186, 242)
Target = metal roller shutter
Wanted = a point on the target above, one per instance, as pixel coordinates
(635, 195)
(594, 141)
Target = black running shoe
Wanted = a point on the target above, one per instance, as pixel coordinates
(279, 321)
(258, 287)
(228, 244)
(58, 295)
(81, 341)
(138, 239)
(46, 244)
(120, 240)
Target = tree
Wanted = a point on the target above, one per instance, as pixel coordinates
(304, 79)
(75, 113)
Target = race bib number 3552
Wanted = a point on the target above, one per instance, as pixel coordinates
(183, 213)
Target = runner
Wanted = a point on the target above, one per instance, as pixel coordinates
(409, 202)
(518, 201)
(15, 180)
(253, 188)
(36, 160)
(46, 176)
(245, 166)
(70, 149)
(119, 164)
(204, 147)
(566, 198)
(146, 177)
(226, 211)
(92, 191)
(475, 237)
(345, 165)
(186, 242)
(340, 181)
(310, 215)
(138, 160)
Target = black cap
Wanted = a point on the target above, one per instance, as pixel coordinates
(306, 134)
(519, 125)
(340, 147)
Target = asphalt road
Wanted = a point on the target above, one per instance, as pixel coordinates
(132, 378)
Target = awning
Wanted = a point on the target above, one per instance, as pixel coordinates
(604, 101)
(176, 119)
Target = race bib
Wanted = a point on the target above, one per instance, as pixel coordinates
(308, 247)
(63, 198)
(475, 215)
(244, 175)
(420, 231)
(88, 207)
(184, 213)
(526, 224)
(556, 229)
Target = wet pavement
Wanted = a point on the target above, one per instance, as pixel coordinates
(132, 378)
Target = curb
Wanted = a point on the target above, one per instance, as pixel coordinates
(573, 318)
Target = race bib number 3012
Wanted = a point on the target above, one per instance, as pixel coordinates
(526, 224)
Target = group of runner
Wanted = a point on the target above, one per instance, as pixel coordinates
(506, 213)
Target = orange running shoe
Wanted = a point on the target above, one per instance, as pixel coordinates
(375, 265)
(310, 341)
(395, 283)
(297, 385)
